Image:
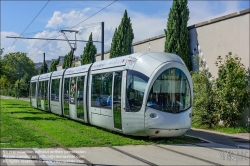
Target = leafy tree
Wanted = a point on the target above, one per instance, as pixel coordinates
(66, 62)
(177, 35)
(231, 89)
(11, 63)
(123, 38)
(4, 82)
(204, 112)
(42, 68)
(53, 65)
(89, 52)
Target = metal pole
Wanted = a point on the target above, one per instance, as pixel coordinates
(18, 86)
(102, 47)
(43, 63)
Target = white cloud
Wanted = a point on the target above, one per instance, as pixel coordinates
(66, 19)
(6, 43)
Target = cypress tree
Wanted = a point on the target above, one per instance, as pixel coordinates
(123, 38)
(53, 65)
(89, 52)
(66, 62)
(177, 35)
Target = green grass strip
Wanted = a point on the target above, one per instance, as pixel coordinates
(62, 130)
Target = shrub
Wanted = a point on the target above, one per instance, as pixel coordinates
(232, 94)
(204, 113)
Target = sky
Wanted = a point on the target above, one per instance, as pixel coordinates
(148, 18)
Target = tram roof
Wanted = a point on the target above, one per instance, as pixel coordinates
(58, 73)
(35, 78)
(44, 76)
(129, 60)
(115, 62)
(78, 69)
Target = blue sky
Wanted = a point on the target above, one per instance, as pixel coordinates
(149, 18)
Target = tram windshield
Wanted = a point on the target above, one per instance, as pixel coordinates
(170, 92)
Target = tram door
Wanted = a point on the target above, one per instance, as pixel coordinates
(66, 96)
(73, 106)
(117, 100)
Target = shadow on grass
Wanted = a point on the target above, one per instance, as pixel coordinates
(16, 107)
(40, 118)
(28, 112)
(14, 104)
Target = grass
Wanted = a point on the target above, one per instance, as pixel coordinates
(16, 134)
(228, 130)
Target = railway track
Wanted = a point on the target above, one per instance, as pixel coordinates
(87, 162)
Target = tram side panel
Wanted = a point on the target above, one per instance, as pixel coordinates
(133, 111)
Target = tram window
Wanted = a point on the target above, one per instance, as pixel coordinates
(170, 92)
(33, 89)
(101, 93)
(80, 97)
(55, 85)
(40, 87)
(41, 91)
(73, 90)
(96, 90)
(135, 88)
(45, 92)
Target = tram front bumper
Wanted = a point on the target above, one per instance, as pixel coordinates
(166, 132)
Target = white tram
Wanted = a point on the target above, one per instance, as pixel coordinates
(142, 94)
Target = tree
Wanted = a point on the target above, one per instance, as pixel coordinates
(231, 89)
(89, 52)
(123, 38)
(1, 52)
(204, 113)
(177, 34)
(67, 59)
(11, 64)
(42, 68)
(53, 65)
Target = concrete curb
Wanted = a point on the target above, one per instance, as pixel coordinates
(216, 132)
(199, 138)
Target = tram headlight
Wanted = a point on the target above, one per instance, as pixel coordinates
(153, 115)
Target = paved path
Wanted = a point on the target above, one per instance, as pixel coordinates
(157, 155)
(21, 98)
(235, 140)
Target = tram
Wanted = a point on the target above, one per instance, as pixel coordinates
(142, 94)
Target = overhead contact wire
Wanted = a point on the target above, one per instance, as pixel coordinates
(76, 25)
(29, 25)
